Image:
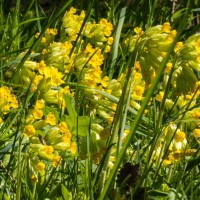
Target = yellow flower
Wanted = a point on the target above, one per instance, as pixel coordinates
(40, 166)
(107, 49)
(179, 136)
(63, 127)
(139, 90)
(178, 46)
(110, 120)
(197, 45)
(110, 40)
(35, 82)
(46, 151)
(8, 100)
(54, 75)
(50, 119)
(66, 138)
(166, 27)
(37, 113)
(43, 40)
(39, 104)
(167, 162)
(72, 10)
(51, 31)
(73, 148)
(107, 25)
(104, 81)
(29, 130)
(168, 67)
(159, 96)
(196, 133)
(40, 66)
(196, 114)
(34, 179)
(56, 160)
(37, 35)
(138, 31)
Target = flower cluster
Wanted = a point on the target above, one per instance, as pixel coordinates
(47, 138)
(73, 65)
(8, 101)
(46, 75)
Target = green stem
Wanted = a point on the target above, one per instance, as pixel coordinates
(19, 170)
(116, 41)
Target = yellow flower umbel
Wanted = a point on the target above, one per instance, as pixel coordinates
(26, 74)
(58, 55)
(152, 44)
(178, 146)
(71, 23)
(8, 101)
(87, 64)
(99, 34)
(188, 61)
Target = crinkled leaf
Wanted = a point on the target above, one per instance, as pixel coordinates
(82, 122)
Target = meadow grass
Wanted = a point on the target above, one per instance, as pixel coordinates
(99, 100)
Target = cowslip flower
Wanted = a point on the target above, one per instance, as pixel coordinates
(50, 119)
(8, 100)
(196, 133)
(40, 166)
(29, 130)
(56, 160)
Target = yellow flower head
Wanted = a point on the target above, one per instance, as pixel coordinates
(138, 31)
(39, 104)
(166, 27)
(104, 81)
(40, 166)
(179, 136)
(8, 100)
(46, 152)
(110, 40)
(197, 45)
(37, 113)
(72, 10)
(73, 148)
(196, 133)
(139, 90)
(107, 25)
(196, 114)
(50, 119)
(168, 67)
(178, 46)
(63, 127)
(29, 130)
(160, 96)
(56, 160)
(51, 31)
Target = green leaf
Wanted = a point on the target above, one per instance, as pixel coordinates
(77, 124)
(65, 193)
(157, 193)
(192, 163)
(82, 122)
(60, 192)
